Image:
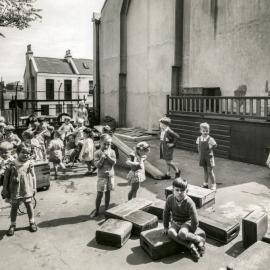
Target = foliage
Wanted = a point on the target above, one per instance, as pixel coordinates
(18, 13)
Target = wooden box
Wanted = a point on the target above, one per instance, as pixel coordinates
(254, 227)
(218, 227)
(256, 257)
(158, 246)
(156, 208)
(126, 208)
(201, 196)
(141, 221)
(42, 171)
(114, 232)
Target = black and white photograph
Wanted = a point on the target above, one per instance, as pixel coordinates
(134, 134)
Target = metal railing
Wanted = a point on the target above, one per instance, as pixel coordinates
(253, 107)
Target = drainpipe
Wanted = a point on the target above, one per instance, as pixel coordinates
(96, 95)
(177, 68)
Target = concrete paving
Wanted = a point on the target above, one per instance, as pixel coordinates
(66, 235)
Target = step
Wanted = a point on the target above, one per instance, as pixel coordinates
(181, 131)
(191, 141)
(197, 123)
(191, 128)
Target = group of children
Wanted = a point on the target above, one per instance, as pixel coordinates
(19, 180)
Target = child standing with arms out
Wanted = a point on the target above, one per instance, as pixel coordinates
(55, 148)
(206, 144)
(20, 186)
(87, 152)
(104, 160)
(168, 140)
(184, 219)
(137, 173)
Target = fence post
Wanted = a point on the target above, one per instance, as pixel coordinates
(16, 113)
(167, 104)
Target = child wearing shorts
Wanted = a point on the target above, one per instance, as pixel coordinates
(206, 144)
(182, 212)
(104, 160)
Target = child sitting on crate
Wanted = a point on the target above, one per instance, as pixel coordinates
(55, 151)
(206, 144)
(168, 140)
(71, 149)
(105, 160)
(184, 219)
(66, 128)
(87, 152)
(20, 187)
(136, 162)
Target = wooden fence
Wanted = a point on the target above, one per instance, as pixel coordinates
(240, 107)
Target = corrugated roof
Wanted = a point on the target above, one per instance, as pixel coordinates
(53, 65)
(84, 66)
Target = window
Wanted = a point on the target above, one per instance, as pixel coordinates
(44, 109)
(49, 89)
(91, 87)
(68, 89)
(58, 108)
(70, 109)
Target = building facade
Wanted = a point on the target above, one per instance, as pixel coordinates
(147, 49)
(50, 80)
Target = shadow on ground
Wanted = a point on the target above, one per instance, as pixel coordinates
(93, 244)
(64, 221)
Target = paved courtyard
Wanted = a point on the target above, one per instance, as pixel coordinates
(66, 235)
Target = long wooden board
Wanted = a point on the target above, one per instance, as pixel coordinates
(149, 168)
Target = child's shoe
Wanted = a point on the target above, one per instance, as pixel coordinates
(166, 177)
(204, 185)
(194, 253)
(214, 187)
(201, 246)
(11, 230)
(33, 227)
(177, 174)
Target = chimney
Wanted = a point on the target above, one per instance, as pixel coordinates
(29, 52)
(68, 56)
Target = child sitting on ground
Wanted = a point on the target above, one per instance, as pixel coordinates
(136, 162)
(87, 152)
(206, 144)
(55, 149)
(104, 160)
(184, 219)
(20, 186)
(66, 128)
(168, 140)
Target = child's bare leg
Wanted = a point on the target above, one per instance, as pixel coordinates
(171, 164)
(168, 168)
(98, 201)
(107, 199)
(174, 236)
(30, 212)
(206, 176)
(212, 177)
(133, 192)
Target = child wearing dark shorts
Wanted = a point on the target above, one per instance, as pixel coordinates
(184, 219)
(206, 144)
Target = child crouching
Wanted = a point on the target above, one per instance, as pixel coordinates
(136, 162)
(184, 221)
(20, 186)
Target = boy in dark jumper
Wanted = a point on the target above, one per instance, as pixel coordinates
(184, 221)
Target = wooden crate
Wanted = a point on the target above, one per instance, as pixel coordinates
(114, 232)
(156, 208)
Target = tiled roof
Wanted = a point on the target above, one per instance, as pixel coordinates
(84, 66)
(53, 65)
(61, 66)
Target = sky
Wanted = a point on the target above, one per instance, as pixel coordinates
(65, 25)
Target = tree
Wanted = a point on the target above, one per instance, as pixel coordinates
(18, 13)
